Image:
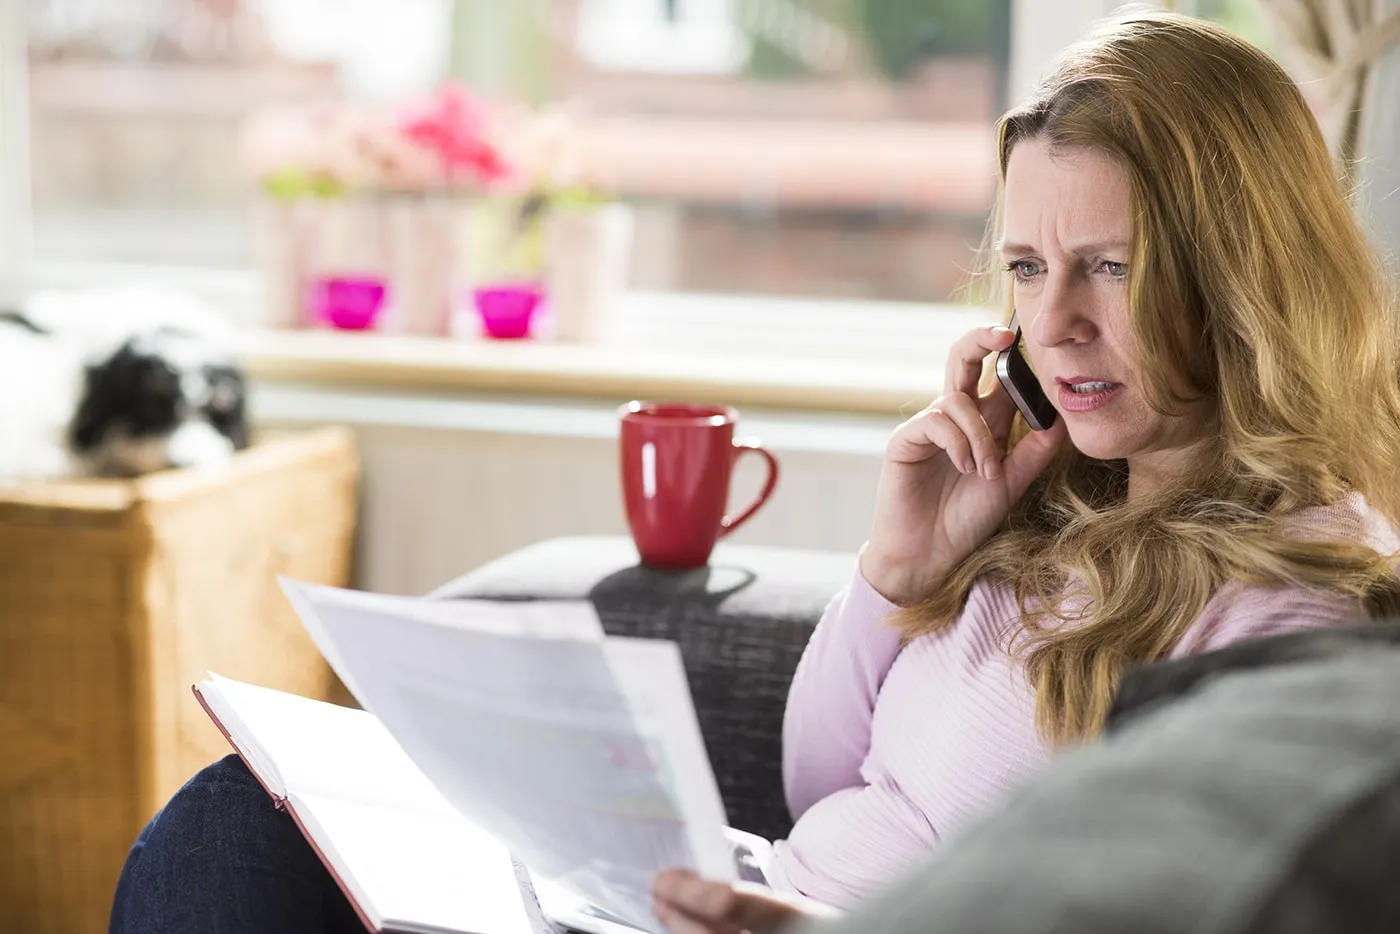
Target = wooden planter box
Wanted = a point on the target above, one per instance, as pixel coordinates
(115, 596)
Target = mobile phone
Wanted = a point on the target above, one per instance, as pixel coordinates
(1019, 380)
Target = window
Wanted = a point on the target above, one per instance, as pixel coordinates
(837, 148)
(1242, 17)
(136, 108)
(832, 148)
(801, 147)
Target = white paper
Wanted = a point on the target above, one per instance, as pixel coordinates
(559, 618)
(580, 753)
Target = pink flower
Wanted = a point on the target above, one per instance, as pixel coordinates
(400, 164)
(458, 128)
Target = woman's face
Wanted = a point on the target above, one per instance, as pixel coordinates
(1066, 243)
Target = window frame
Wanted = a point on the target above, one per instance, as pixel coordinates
(16, 243)
(1378, 177)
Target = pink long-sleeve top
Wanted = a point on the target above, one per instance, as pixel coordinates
(888, 750)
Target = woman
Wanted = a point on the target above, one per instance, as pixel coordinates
(1201, 308)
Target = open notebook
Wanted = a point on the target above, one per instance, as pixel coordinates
(405, 858)
(493, 737)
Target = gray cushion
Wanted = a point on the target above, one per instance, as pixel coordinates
(1264, 800)
(741, 625)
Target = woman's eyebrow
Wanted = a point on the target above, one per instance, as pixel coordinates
(1016, 248)
(1099, 247)
(1084, 249)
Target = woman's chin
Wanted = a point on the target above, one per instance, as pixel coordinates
(1096, 443)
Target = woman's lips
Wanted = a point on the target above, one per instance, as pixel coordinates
(1072, 401)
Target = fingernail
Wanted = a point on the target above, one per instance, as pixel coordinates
(991, 469)
(969, 466)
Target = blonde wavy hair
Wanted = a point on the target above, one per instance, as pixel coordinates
(1251, 286)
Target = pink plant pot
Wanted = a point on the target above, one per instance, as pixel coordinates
(507, 312)
(348, 303)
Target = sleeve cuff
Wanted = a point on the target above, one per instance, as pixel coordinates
(865, 602)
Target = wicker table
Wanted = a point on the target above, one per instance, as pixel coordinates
(114, 597)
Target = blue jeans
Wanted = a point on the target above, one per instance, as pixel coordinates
(221, 859)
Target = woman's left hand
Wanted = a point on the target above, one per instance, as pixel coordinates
(688, 904)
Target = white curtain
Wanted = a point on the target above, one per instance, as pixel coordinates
(1334, 47)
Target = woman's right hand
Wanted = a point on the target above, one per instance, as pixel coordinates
(947, 482)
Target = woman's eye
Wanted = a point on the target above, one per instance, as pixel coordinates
(1024, 269)
(1115, 270)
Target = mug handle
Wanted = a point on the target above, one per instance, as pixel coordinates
(741, 447)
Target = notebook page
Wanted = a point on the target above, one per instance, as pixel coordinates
(419, 872)
(226, 717)
(326, 749)
(411, 860)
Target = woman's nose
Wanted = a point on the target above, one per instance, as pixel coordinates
(1063, 315)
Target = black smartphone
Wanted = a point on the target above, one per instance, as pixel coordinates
(1016, 376)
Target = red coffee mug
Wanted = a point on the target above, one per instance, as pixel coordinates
(677, 459)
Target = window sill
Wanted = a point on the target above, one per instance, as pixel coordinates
(797, 353)
(559, 370)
